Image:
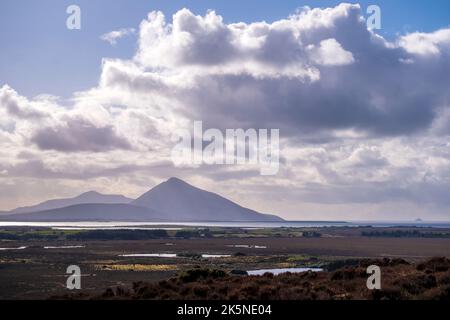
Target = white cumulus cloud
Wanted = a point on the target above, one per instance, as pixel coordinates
(113, 36)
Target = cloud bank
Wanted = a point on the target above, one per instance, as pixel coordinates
(364, 122)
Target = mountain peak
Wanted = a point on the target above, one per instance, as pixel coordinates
(90, 193)
(181, 201)
(175, 184)
(175, 180)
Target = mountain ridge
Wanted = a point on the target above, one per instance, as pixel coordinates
(171, 200)
(90, 212)
(84, 198)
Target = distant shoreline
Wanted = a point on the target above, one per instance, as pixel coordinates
(225, 224)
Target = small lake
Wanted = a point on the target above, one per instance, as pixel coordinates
(246, 246)
(206, 256)
(64, 247)
(144, 255)
(19, 248)
(172, 255)
(280, 271)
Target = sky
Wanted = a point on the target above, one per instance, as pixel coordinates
(34, 31)
(363, 115)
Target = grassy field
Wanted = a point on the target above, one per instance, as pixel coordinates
(36, 272)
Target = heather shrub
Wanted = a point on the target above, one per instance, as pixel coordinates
(197, 274)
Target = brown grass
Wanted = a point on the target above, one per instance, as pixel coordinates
(400, 281)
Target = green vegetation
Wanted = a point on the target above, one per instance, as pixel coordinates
(194, 233)
(49, 234)
(31, 234)
(284, 232)
(405, 234)
(118, 235)
(197, 274)
(191, 255)
(311, 234)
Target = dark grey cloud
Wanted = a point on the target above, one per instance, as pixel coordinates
(385, 89)
(37, 168)
(79, 135)
(380, 96)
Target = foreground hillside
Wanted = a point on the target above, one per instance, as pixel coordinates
(400, 281)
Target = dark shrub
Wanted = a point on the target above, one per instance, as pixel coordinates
(335, 265)
(187, 234)
(191, 255)
(118, 235)
(444, 294)
(387, 294)
(344, 274)
(435, 264)
(311, 234)
(109, 293)
(239, 272)
(397, 262)
(197, 274)
(251, 290)
(200, 291)
(419, 284)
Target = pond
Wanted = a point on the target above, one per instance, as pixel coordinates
(172, 255)
(19, 248)
(246, 246)
(159, 255)
(64, 247)
(282, 270)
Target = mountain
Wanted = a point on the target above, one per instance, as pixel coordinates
(180, 201)
(90, 197)
(90, 212)
(172, 200)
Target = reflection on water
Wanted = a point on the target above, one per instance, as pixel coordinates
(19, 248)
(159, 255)
(64, 247)
(172, 255)
(216, 255)
(246, 246)
(280, 271)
